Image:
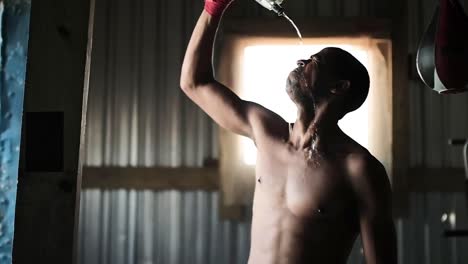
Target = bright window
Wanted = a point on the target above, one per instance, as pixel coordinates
(265, 69)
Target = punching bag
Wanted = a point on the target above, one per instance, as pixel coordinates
(442, 57)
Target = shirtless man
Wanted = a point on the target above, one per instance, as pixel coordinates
(316, 189)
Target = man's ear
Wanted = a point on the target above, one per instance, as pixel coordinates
(340, 87)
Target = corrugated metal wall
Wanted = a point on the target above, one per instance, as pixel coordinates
(138, 117)
(420, 235)
(131, 227)
(128, 226)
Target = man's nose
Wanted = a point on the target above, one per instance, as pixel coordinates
(302, 63)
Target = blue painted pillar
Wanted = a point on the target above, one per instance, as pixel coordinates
(14, 25)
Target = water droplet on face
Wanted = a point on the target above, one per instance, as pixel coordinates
(303, 78)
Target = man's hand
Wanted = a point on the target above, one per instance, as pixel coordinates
(216, 7)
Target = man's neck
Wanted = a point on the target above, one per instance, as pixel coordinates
(314, 126)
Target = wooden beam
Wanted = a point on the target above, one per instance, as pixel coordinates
(188, 178)
(156, 178)
(55, 100)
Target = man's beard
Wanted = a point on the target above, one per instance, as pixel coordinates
(300, 92)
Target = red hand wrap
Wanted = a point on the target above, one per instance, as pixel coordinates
(216, 7)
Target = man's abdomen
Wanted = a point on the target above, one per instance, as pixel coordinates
(280, 237)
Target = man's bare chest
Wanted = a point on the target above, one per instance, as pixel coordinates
(305, 187)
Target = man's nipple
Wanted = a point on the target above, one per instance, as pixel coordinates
(320, 210)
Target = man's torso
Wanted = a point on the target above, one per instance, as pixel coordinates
(304, 210)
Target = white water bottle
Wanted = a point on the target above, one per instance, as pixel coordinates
(272, 5)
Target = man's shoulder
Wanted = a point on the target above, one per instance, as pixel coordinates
(363, 166)
(370, 184)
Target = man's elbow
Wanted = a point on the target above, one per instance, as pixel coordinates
(187, 81)
(186, 84)
(189, 85)
(192, 77)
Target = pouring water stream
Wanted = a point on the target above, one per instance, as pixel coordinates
(295, 27)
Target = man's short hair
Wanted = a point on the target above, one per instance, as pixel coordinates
(347, 67)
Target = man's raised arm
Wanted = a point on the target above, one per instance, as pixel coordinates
(199, 84)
